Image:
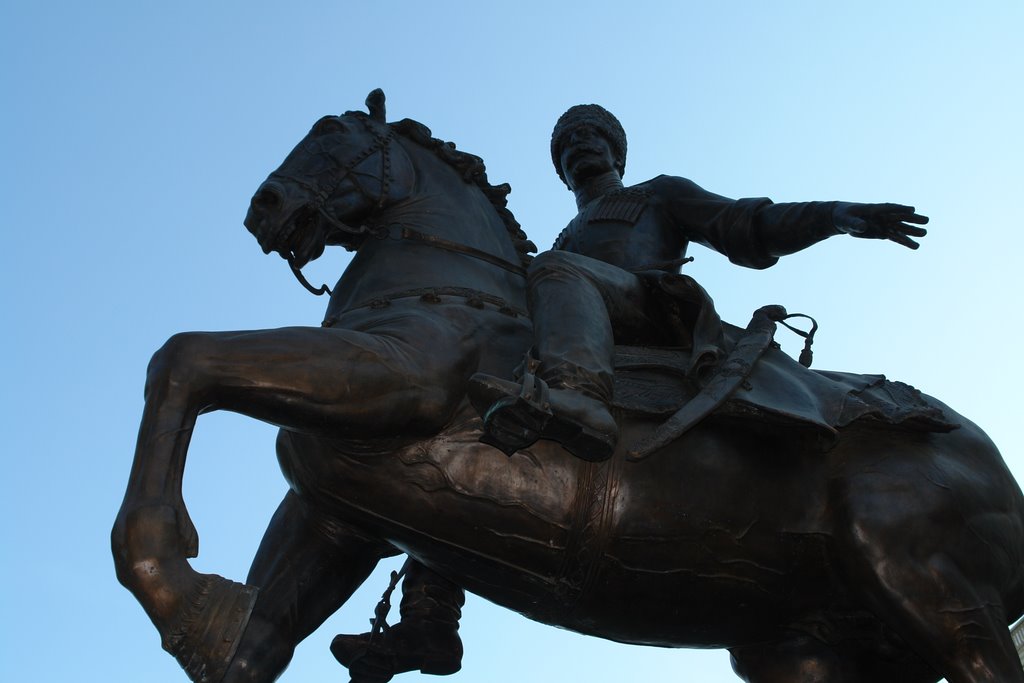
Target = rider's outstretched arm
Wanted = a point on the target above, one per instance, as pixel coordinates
(755, 232)
(788, 228)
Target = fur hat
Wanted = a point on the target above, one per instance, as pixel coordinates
(589, 115)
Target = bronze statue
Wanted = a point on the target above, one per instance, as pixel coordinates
(600, 283)
(873, 540)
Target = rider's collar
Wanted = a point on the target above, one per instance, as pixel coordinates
(597, 187)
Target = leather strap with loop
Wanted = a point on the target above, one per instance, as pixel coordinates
(806, 355)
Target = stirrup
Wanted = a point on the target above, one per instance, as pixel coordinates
(515, 414)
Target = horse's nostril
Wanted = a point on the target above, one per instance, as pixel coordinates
(267, 197)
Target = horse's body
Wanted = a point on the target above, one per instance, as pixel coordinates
(897, 555)
(655, 553)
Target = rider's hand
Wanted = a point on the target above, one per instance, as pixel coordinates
(880, 221)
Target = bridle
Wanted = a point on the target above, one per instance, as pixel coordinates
(335, 175)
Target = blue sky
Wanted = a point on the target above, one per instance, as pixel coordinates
(134, 134)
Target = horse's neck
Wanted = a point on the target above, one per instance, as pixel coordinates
(442, 205)
(445, 205)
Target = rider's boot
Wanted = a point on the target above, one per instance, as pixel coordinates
(566, 405)
(425, 640)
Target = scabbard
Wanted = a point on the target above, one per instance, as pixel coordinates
(728, 377)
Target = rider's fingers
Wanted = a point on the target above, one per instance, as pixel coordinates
(900, 238)
(893, 208)
(899, 212)
(911, 230)
(910, 218)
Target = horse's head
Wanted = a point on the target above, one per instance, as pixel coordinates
(346, 168)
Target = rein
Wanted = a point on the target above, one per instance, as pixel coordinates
(459, 248)
(297, 272)
(427, 240)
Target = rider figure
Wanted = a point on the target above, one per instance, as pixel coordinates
(594, 288)
(586, 293)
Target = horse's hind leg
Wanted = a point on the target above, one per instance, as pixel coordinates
(919, 540)
(958, 628)
(801, 660)
(804, 659)
(307, 566)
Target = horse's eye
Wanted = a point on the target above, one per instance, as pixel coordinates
(329, 124)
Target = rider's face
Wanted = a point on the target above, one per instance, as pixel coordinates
(586, 153)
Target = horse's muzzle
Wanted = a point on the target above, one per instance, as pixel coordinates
(269, 211)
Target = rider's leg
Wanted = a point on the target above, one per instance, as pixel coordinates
(305, 569)
(426, 639)
(579, 306)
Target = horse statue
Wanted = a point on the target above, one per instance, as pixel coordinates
(895, 554)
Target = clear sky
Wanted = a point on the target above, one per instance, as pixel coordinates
(134, 133)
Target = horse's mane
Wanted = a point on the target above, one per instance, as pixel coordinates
(472, 169)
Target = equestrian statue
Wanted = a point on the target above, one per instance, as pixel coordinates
(577, 437)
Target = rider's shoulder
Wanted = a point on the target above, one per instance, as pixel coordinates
(669, 184)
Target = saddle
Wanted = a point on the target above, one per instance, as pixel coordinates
(764, 389)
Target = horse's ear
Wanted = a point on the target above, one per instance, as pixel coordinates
(375, 105)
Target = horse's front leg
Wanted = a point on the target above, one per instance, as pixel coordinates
(153, 534)
(307, 566)
(320, 381)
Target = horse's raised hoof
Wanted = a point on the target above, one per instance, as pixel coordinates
(207, 634)
(428, 648)
(515, 417)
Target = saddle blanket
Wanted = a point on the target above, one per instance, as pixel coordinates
(779, 392)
